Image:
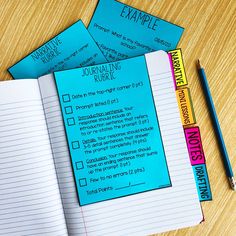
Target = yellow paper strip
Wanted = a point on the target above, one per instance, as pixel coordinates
(178, 64)
(185, 106)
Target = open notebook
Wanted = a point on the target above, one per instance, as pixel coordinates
(37, 188)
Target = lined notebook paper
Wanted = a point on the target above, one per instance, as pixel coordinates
(73, 212)
(30, 202)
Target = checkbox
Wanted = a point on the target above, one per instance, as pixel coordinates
(82, 182)
(66, 98)
(68, 110)
(70, 121)
(75, 145)
(79, 165)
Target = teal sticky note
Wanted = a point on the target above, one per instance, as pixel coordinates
(112, 130)
(202, 182)
(74, 47)
(122, 31)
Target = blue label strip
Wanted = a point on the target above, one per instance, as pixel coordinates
(202, 182)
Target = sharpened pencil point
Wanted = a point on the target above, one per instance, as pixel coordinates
(232, 183)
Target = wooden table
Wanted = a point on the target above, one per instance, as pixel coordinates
(210, 34)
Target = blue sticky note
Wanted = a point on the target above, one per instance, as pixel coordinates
(112, 130)
(122, 31)
(74, 47)
(202, 182)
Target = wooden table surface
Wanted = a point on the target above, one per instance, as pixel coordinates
(210, 34)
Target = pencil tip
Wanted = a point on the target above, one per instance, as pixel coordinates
(198, 64)
(232, 183)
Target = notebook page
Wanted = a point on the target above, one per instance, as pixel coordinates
(140, 214)
(73, 212)
(30, 202)
(159, 210)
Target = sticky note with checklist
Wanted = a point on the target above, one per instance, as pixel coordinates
(115, 143)
(73, 47)
(122, 31)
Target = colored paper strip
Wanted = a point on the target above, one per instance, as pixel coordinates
(178, 66)
(202, 182)
(194, 144)
(185, 106)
